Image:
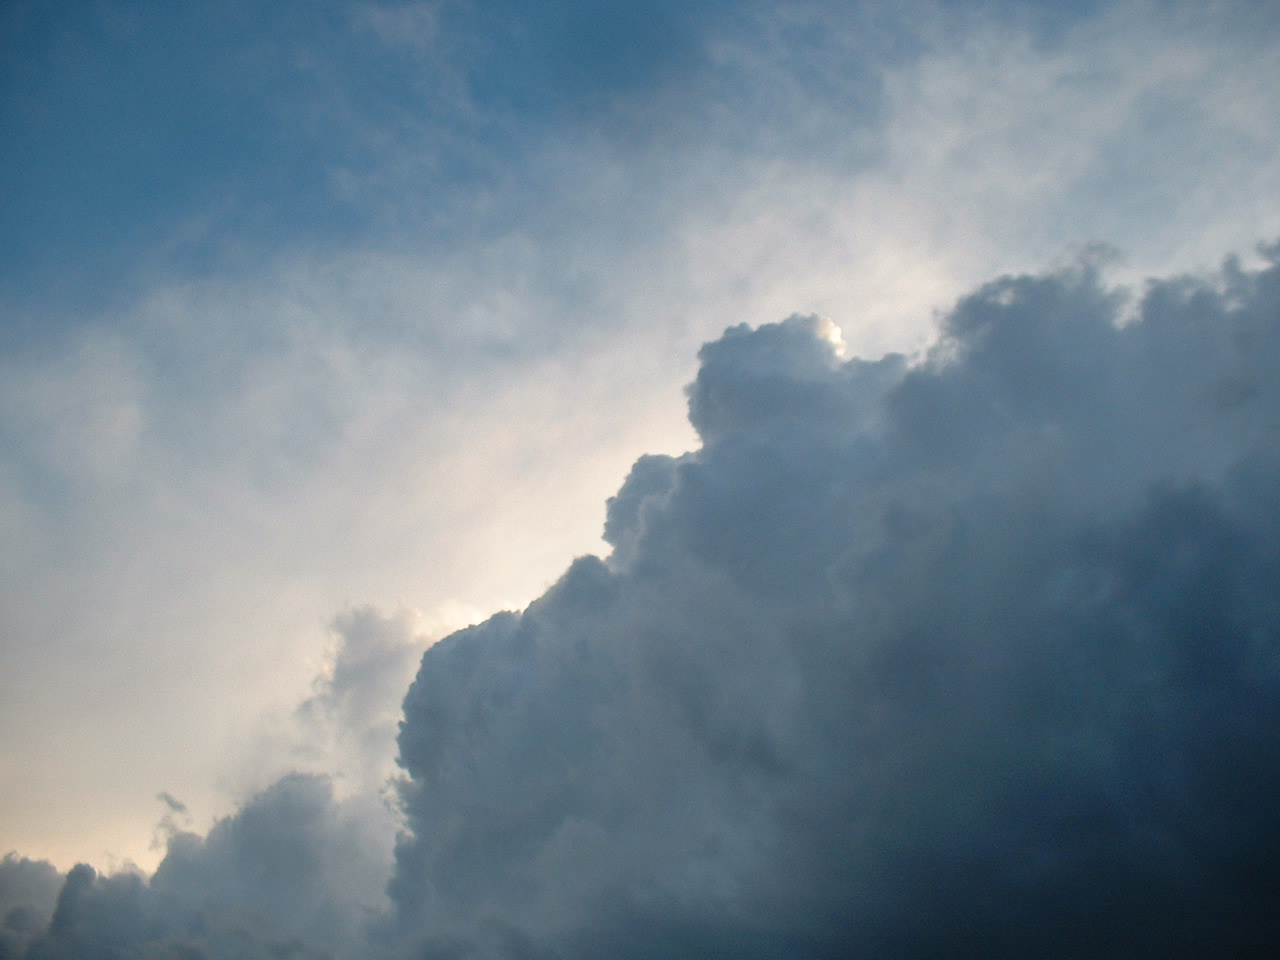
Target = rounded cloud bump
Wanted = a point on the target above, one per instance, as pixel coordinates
(976, 656)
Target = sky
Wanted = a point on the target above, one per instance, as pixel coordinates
(864, 412)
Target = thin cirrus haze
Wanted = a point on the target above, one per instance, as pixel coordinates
(327, 329)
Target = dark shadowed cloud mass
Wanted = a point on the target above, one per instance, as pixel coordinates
(975, 654)
(973, 657)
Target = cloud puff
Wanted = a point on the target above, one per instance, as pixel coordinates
(972, 656)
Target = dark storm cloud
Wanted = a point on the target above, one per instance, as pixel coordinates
(976, 657)
(972, 657)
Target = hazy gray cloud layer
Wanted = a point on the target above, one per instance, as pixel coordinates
(976, 656)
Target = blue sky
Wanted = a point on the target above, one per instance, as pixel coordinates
(312, 308)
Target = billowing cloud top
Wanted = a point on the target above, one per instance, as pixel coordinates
(975, 656)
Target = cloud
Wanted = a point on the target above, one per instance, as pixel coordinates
(345, 729)
(355, 709)
(292, 874)
(974, 656)
(299, 870)
(182, 498)
(377, 304)
(208, 448)
(28, 893)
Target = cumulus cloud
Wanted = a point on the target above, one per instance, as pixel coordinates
(969, 656)
(299, 870)
(290, 875)
(975, 653)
